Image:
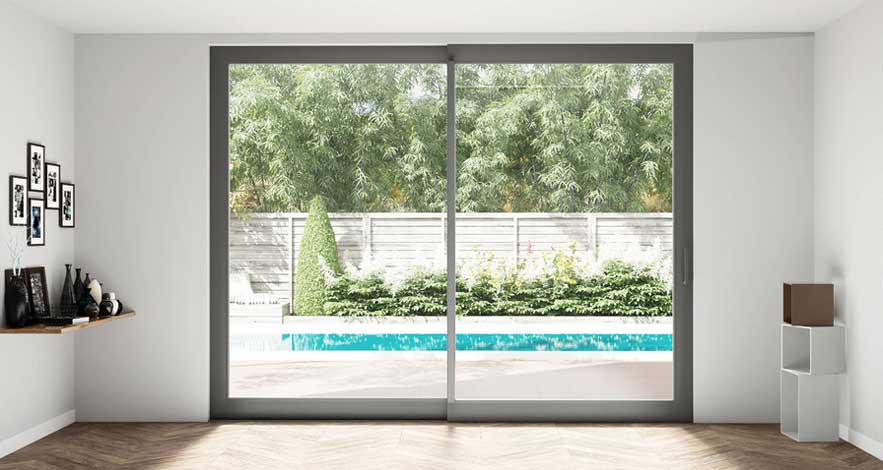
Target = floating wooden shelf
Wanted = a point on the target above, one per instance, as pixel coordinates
(59, 329)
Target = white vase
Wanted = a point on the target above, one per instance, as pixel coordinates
(95, 290)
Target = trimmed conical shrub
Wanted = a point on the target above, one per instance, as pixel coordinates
(317, 242)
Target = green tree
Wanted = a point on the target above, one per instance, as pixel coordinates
(318, 254)
(372, 137)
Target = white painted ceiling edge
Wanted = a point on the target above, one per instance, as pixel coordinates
(450, 16)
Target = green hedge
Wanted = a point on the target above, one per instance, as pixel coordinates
(620, 290)
(318, 242)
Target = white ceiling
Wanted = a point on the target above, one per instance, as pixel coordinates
(439, 16)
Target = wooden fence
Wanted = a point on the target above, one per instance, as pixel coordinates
(266, 246)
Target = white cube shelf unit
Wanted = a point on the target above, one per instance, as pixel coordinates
(815, 350)
(809, 407)
(813, 357)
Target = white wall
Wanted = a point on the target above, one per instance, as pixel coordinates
(849, 198)
(753, 191)
(142, 136)
(36, 104)
(142, 127)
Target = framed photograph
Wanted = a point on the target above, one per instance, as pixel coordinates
(36, 222)
(18, 197)
(35, 278)
(52, 177)
(67, 216)
(36, 167)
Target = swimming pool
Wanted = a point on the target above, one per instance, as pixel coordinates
(438, 342)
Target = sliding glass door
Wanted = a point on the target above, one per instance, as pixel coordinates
(564, 231)
(470, 232)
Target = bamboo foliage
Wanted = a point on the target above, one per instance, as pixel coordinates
(371, 137)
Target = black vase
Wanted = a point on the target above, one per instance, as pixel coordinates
(16, 302)
(86, 299)
(67, 290)
(78, 287)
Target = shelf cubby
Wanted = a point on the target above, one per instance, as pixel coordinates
(814, 350)
(809, 406)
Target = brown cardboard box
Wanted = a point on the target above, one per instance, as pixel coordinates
(809, 304)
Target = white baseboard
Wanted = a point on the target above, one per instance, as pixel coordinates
(861, 441)
(37, 432)
(732, 420)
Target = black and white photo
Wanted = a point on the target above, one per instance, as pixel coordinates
(67, 214)
(52, 177)
(18, 196)
(38, 291)
(36, 222)
(36, 161)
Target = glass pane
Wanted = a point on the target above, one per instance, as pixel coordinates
(564, 231)
(337, 230)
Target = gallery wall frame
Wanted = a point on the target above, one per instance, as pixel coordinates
(67, 212)
(52, 181)
(36, 222)
(36, 159)
(18, 200)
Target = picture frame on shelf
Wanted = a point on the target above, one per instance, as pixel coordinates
(52, 177)
(38, 292)
(67, 214)
(36, 167)
(18, 200)
(36, 222)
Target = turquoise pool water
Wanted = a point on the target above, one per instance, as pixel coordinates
(438, 342)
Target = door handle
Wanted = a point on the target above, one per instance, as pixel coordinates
(687, 265)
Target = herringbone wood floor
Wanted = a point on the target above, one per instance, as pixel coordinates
(428, 445)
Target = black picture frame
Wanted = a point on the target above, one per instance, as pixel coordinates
(63, 220)
(36, 160)
(36, 222)
(18, 206)
(38, 292)
(52, 179)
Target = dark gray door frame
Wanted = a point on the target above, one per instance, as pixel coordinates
(678, 409)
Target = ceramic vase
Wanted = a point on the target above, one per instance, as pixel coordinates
(95, 290)
(16, 302)
(78, 287)
(109, 305)
(67, 289)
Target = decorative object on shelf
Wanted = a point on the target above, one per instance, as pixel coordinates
(16, 300)
(79, 288)
(37, 291)
(109, 305)
(91, 310)
(36, 160)
(18, 196)
(94, 289)
(84, 298)
(36, 222)
(16, 296)
(67, 216)
(52, 177)
(808, 304)
(67, 289)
